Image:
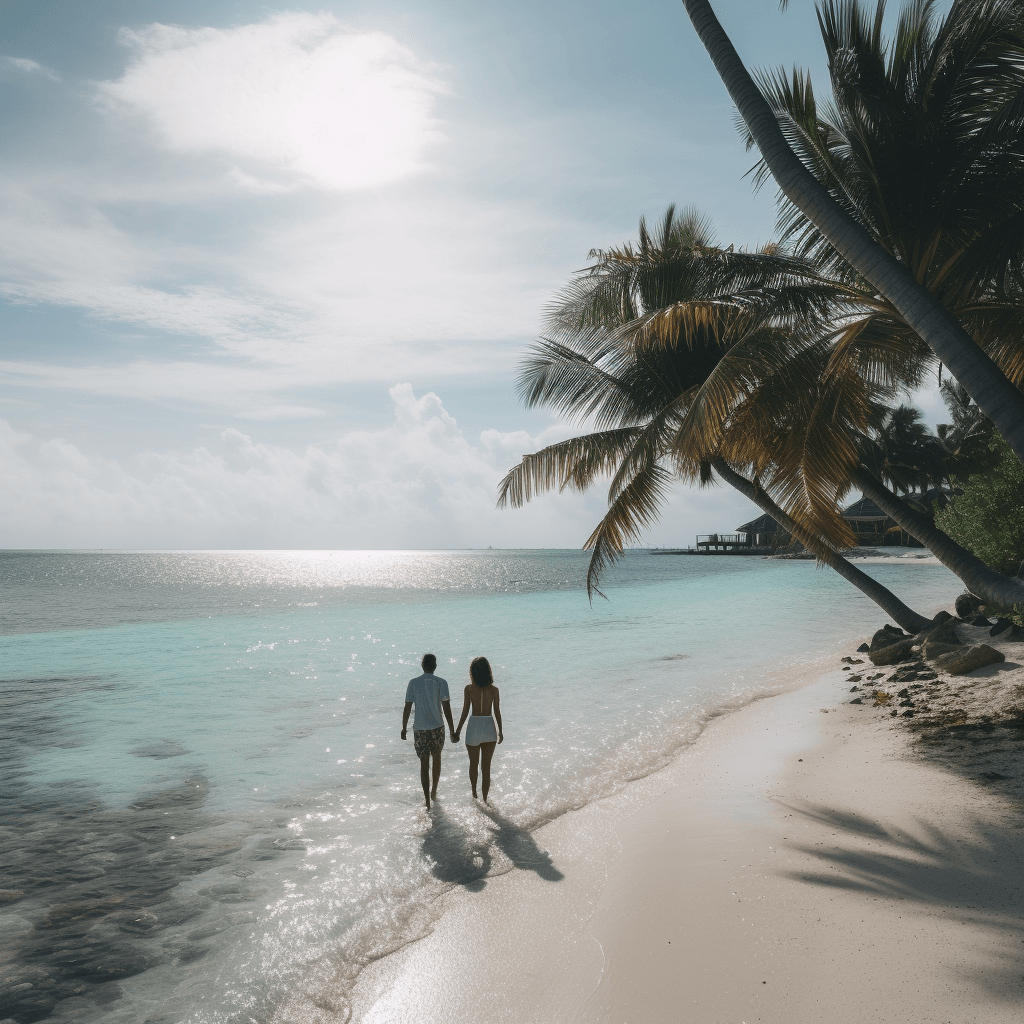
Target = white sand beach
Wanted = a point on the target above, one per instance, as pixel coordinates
(805, 860)
(887, 555)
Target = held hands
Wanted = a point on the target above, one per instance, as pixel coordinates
(455, 737)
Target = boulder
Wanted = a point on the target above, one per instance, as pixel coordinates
(891, 654)
(863, 649)
(967, 605)
(980, 620)
(943, 633)
(942, 616)
(960, 662)
(884, 637)
(933, 649)
(1001, 626)
(940, 639)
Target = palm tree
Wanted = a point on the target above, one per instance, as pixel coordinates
(807, 425)
(966, 443)
(810, 428)
(994, 28)
(982, 581)
(968, 437)
(647, 338)
(900, 150)
(903, 453)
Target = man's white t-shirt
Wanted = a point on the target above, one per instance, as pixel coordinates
(426, 692)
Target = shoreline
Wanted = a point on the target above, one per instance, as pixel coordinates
(691, 894)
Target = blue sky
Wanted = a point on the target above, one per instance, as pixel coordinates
(267, 272)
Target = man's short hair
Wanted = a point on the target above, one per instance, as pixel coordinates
(429, 663)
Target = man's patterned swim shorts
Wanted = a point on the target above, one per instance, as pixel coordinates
(428, 741)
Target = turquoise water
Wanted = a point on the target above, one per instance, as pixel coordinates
(206, 746)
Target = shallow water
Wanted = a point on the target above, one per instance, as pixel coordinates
(203, 795)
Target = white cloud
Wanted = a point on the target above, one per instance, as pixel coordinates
(297, 97)
(418, 482)
(336, 295)
(30, 67)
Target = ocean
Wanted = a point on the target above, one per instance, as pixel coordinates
(205, 804)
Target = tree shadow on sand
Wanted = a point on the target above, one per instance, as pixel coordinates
(520, 847)
(458, 858)
(972, 874)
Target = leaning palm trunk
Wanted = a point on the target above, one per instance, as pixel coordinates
(980, 580)
(871, 588)
(939, 329)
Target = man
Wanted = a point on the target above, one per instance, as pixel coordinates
(430, 695)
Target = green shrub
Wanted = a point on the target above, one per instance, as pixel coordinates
(988, 518)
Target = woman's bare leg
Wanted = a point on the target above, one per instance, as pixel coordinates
(487, 752)
(474, 757)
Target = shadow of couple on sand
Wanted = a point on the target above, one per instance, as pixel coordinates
(458, 857)
(461, 859)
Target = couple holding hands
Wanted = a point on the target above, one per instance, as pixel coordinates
(429, 693)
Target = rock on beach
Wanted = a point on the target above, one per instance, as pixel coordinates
(960, 662)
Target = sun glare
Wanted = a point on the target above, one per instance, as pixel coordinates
(294, 100)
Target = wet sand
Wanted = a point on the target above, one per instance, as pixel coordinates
(805, 860)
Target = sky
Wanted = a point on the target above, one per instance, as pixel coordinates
(267, 272)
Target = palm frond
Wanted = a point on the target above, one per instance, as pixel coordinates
(635, 508)
(574, 463)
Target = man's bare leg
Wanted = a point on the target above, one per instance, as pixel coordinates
(425, 777)
(474, 757)
(486, 752)
(437, 776)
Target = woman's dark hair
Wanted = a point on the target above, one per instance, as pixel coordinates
(480, 672)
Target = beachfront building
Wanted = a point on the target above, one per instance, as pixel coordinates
(758, 537)
(874, 528)
(764, 532)
(870, 524)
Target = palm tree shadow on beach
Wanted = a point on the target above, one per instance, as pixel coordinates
(520, 847)
(926, 866)
(458, 858)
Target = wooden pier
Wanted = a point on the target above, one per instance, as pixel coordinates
(708, 547)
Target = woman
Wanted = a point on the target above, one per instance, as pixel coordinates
(481, 698)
